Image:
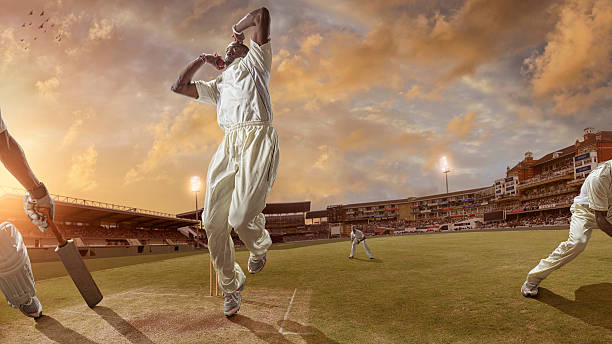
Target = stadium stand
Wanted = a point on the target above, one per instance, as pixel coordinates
(285, 222)
(98, 224)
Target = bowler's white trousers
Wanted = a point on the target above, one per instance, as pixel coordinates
(583, 221)
(240, 176)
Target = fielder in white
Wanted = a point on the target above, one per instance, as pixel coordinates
(591, 209)
(16, 279)
(243, 169)
(357, 236)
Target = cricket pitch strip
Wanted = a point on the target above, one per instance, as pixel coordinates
(148, 315)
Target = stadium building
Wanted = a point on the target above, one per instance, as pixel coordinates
(285, 222)
(453, 207)
(547, 186)
(101, 229)
(374, 217)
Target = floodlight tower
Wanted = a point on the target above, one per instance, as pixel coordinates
(445, 170)
(196, 185)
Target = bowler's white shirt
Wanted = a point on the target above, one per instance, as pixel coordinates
(596, 191)
(241, 91)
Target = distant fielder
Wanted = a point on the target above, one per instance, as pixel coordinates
(591, 209)
(357, 236)
(16, 279)
(243, 169)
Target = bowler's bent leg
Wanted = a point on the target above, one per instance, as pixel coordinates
(253, 182)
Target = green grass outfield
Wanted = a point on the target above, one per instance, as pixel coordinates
(440, 288)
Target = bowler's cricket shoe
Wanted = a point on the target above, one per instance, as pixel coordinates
(256, 265)
(232, 302)
(529, 290)
(33, 308)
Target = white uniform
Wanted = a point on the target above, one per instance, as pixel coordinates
(357, 236)
(242, 171)
(595, 194)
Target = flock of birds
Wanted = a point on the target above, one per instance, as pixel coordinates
(44, 26)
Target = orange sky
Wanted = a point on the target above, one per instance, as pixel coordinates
(366, 95)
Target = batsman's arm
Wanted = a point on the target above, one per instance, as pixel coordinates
(260, 18)
(14, 159)
(602, 222)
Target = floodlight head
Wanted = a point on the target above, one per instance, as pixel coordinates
(444, 164)
(196, 183)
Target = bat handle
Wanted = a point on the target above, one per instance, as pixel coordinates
(51, 225)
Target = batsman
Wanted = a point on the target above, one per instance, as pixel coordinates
(243, 169)
(16, 279)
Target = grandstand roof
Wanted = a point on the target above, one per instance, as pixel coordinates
(569, 150)
(455, 193)
(369, 204)
(271, 208)
(316, 214)
(287, 208)
(69, 209)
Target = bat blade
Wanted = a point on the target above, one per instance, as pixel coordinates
(77, 270)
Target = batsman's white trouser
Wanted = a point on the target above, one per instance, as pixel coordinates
(240, 176)
(16, 280)
(365, 246)
(583, 221)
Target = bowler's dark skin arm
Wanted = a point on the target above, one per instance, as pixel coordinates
(183, 85)
(260, 19)
(14, 159)
(602, 222)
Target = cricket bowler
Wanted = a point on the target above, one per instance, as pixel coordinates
(357, 236)
(591, 209)
(16, 279)
(243, 169)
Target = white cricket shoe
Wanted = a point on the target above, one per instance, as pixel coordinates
(529, 290)
(232, 302)
(32, 309)
(256, 265)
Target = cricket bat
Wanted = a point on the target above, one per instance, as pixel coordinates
(70, 257)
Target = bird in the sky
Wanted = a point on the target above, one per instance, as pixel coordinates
(41, 26)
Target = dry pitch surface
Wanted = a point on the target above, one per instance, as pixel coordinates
(441, 288)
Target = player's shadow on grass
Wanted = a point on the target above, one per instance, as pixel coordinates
(56, 332)
(271, 334)
(126, 329)
(375, 260)
(593, 303)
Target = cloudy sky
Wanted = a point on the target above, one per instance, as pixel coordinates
(367, 95)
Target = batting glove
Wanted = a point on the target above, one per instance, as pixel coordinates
(35, 200)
